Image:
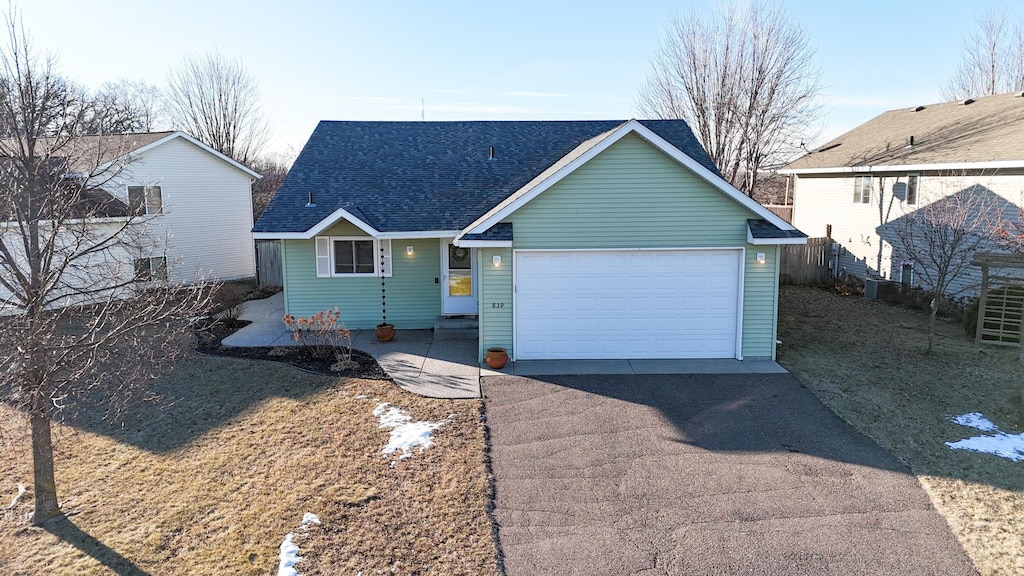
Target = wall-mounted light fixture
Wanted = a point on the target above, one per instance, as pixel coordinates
(760, 257)
(496, 259)
(410, 250)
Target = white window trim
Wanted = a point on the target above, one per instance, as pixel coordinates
(856, 188)
(324, 250)
(145, 199)
(917, 191)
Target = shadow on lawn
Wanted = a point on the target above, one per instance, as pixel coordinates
(67, 531)
(201, 394)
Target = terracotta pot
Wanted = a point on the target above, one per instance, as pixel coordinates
(496, 358)
(385, 332)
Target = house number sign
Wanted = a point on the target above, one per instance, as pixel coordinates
(497, 304)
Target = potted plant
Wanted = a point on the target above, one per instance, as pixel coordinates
(496, 357)
(385, 330)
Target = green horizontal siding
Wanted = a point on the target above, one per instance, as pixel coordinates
(495, 300)
(634, 196)
(413, 299)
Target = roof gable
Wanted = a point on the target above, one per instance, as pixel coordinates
(431, 176)
(987, 132)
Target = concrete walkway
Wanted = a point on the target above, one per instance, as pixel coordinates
(449, 368)
(416, 362)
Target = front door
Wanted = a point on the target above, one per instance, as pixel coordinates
(458, 282)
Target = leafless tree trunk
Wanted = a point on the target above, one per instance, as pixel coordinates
(74, 323)
(218, 101)
(745, 81)
(941, 238)
(992, 59)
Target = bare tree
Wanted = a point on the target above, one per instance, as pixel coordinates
(992, 59)
(124, 107)
(941, 238)
(217, 100)
(75, 325)
(745, 81)
(273, 169)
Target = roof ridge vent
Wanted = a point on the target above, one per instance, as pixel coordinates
(919, 108)
(968, 101)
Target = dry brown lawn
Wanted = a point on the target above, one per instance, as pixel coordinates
(866, 361)
(211, 481)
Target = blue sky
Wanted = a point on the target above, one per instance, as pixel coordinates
(480, 60)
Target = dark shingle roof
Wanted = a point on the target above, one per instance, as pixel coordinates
(500, 231)
(414, 176)
(767, 231)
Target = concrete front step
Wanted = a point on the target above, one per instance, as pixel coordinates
(458, 328)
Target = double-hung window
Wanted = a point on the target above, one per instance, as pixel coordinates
(345, 256)
(145, 200)
(151, 269)
(862, 189)
(912, 182)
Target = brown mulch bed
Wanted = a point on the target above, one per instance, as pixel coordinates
(210, 335)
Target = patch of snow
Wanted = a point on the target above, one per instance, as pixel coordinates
(975, 420)
(21, 492)
(406, 433)
(1010, 446)
(289, 555)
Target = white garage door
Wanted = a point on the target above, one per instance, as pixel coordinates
(627, 304)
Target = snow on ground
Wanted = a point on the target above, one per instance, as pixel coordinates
(289, 556)
(1009, 446)
(406, 433)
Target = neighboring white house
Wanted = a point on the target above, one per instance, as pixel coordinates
(159, 206)
(904, 159)
(201, 202)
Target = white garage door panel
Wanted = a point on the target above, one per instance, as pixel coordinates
(627, 304)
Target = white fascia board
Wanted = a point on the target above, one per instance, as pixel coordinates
(483, 243)
(993, 165)
(419, 234)
(773, 241)
(319, 227)
(520, 197)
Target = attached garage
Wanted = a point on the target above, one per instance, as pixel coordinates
(650, 303)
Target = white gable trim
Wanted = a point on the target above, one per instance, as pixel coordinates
(379, 235)
(993, 165)
(191, 140)
(524, 195)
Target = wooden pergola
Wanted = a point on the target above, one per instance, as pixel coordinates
(1001, 306)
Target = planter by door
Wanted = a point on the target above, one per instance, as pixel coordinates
(496, 358)
(385, 332)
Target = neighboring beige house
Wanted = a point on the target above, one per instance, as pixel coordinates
(900, 161)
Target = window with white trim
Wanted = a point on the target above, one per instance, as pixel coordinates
(352, 256)
(912, 183)
(151, 269)
(145, 200)
(862, 189)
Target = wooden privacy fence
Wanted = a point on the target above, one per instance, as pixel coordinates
(784, 211)
(806, 263)
(268, 263)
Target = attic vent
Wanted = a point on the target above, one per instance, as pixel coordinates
(827, 148)
(310, 203)
(911, 139)
(919, 108)
(490, 154)
(968, 101)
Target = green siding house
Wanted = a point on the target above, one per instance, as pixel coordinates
(588, 239)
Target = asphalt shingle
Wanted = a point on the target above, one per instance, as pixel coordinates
(418, 176)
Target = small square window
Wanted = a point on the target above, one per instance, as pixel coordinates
(354, 257)
(145, 200)
(150, 269)
(862, 189)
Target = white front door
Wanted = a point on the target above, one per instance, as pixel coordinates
(458, 279)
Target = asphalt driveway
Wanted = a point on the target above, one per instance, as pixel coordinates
(699, 474)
